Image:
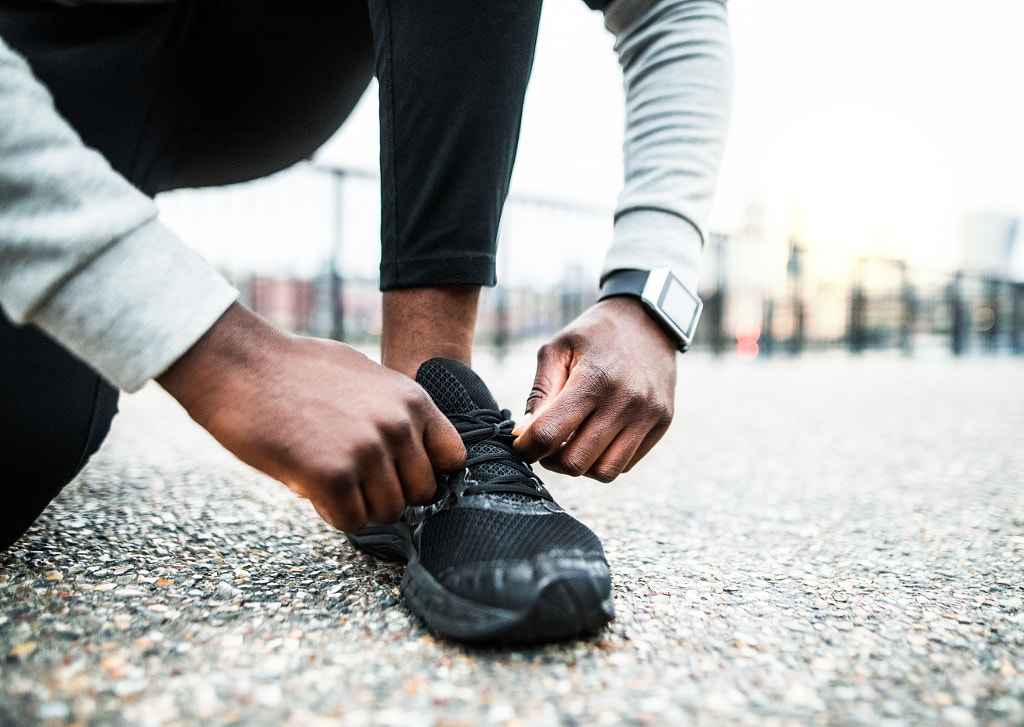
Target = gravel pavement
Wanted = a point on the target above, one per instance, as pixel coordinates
(826, 540)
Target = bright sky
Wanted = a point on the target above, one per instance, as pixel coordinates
(869, 125)
(863, 126)
(876, 125)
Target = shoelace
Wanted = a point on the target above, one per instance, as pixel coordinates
(495, 428)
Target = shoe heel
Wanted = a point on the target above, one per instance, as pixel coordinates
(392, 543)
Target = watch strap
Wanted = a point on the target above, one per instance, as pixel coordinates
(624, 282)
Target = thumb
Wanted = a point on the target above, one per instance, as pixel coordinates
(444, 446)
(552, 374)
(553, 365)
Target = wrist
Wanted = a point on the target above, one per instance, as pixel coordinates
(232, 343)
(632, 313)
(665, 298)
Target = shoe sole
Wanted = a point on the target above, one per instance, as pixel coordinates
(573, 601)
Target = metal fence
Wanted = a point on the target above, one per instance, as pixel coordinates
(302, 248)
(770, 300)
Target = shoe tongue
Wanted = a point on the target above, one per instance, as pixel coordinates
(454, 387)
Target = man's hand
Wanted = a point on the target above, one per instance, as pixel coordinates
(356, 439)
(603, 395)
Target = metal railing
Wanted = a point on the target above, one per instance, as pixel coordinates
(760, 299)
(801, 299)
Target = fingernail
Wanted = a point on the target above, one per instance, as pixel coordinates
(522, 425)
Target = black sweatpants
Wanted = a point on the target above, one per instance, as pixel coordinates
(208, 92)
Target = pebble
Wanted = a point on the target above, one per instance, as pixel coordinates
(53, 710)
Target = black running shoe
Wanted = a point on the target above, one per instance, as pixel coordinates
(493, 559)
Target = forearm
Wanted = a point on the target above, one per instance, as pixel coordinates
(82, 255)
(677, 68)
(238, 344)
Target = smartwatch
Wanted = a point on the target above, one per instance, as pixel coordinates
(672, 304)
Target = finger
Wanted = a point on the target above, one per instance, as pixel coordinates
(554, 364)
(590, 441)
(416, 473)
(382, 493)
(442, 442)
(619, 454)
(553, 463)
(652, 438)
(555, 424)
(549, 430)
(522, 424)
(346, 512)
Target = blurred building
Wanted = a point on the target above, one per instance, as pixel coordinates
(987, 242)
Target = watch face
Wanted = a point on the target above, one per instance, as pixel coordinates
(679, 305)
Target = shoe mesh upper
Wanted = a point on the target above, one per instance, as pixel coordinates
(468, 535)
(493, 468)
(451, 395)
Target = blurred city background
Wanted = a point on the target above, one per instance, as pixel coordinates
(872, 195)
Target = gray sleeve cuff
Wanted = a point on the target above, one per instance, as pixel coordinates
(647, 239)
(137, 307)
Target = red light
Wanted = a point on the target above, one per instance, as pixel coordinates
(746, 342)
(746, 351)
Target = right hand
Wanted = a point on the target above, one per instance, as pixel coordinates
(359, 441)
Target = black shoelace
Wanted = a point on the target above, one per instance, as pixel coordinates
(495, 428)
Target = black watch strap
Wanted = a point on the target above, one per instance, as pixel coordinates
(624, 282)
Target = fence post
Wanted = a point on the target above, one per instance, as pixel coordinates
(857, 332)
(954, 295)
(501, 331)
(794, 269)
(993, 324)
(711, 320)
(1017, 318)
(908, 310)
(715, 304)
(767, 327)
(337, 283)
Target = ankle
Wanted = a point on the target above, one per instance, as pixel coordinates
(425, 323)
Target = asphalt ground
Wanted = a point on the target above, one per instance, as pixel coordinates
(824, 540)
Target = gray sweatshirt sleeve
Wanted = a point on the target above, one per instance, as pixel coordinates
(676, 58)
(82, 255)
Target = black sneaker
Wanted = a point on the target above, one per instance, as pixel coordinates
(493, 558)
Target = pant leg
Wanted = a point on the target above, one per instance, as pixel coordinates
(453, 76)
(275, 80)
(192, 93)
(198, 93)
(54, 413)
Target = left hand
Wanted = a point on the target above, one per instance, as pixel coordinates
(603, 395)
